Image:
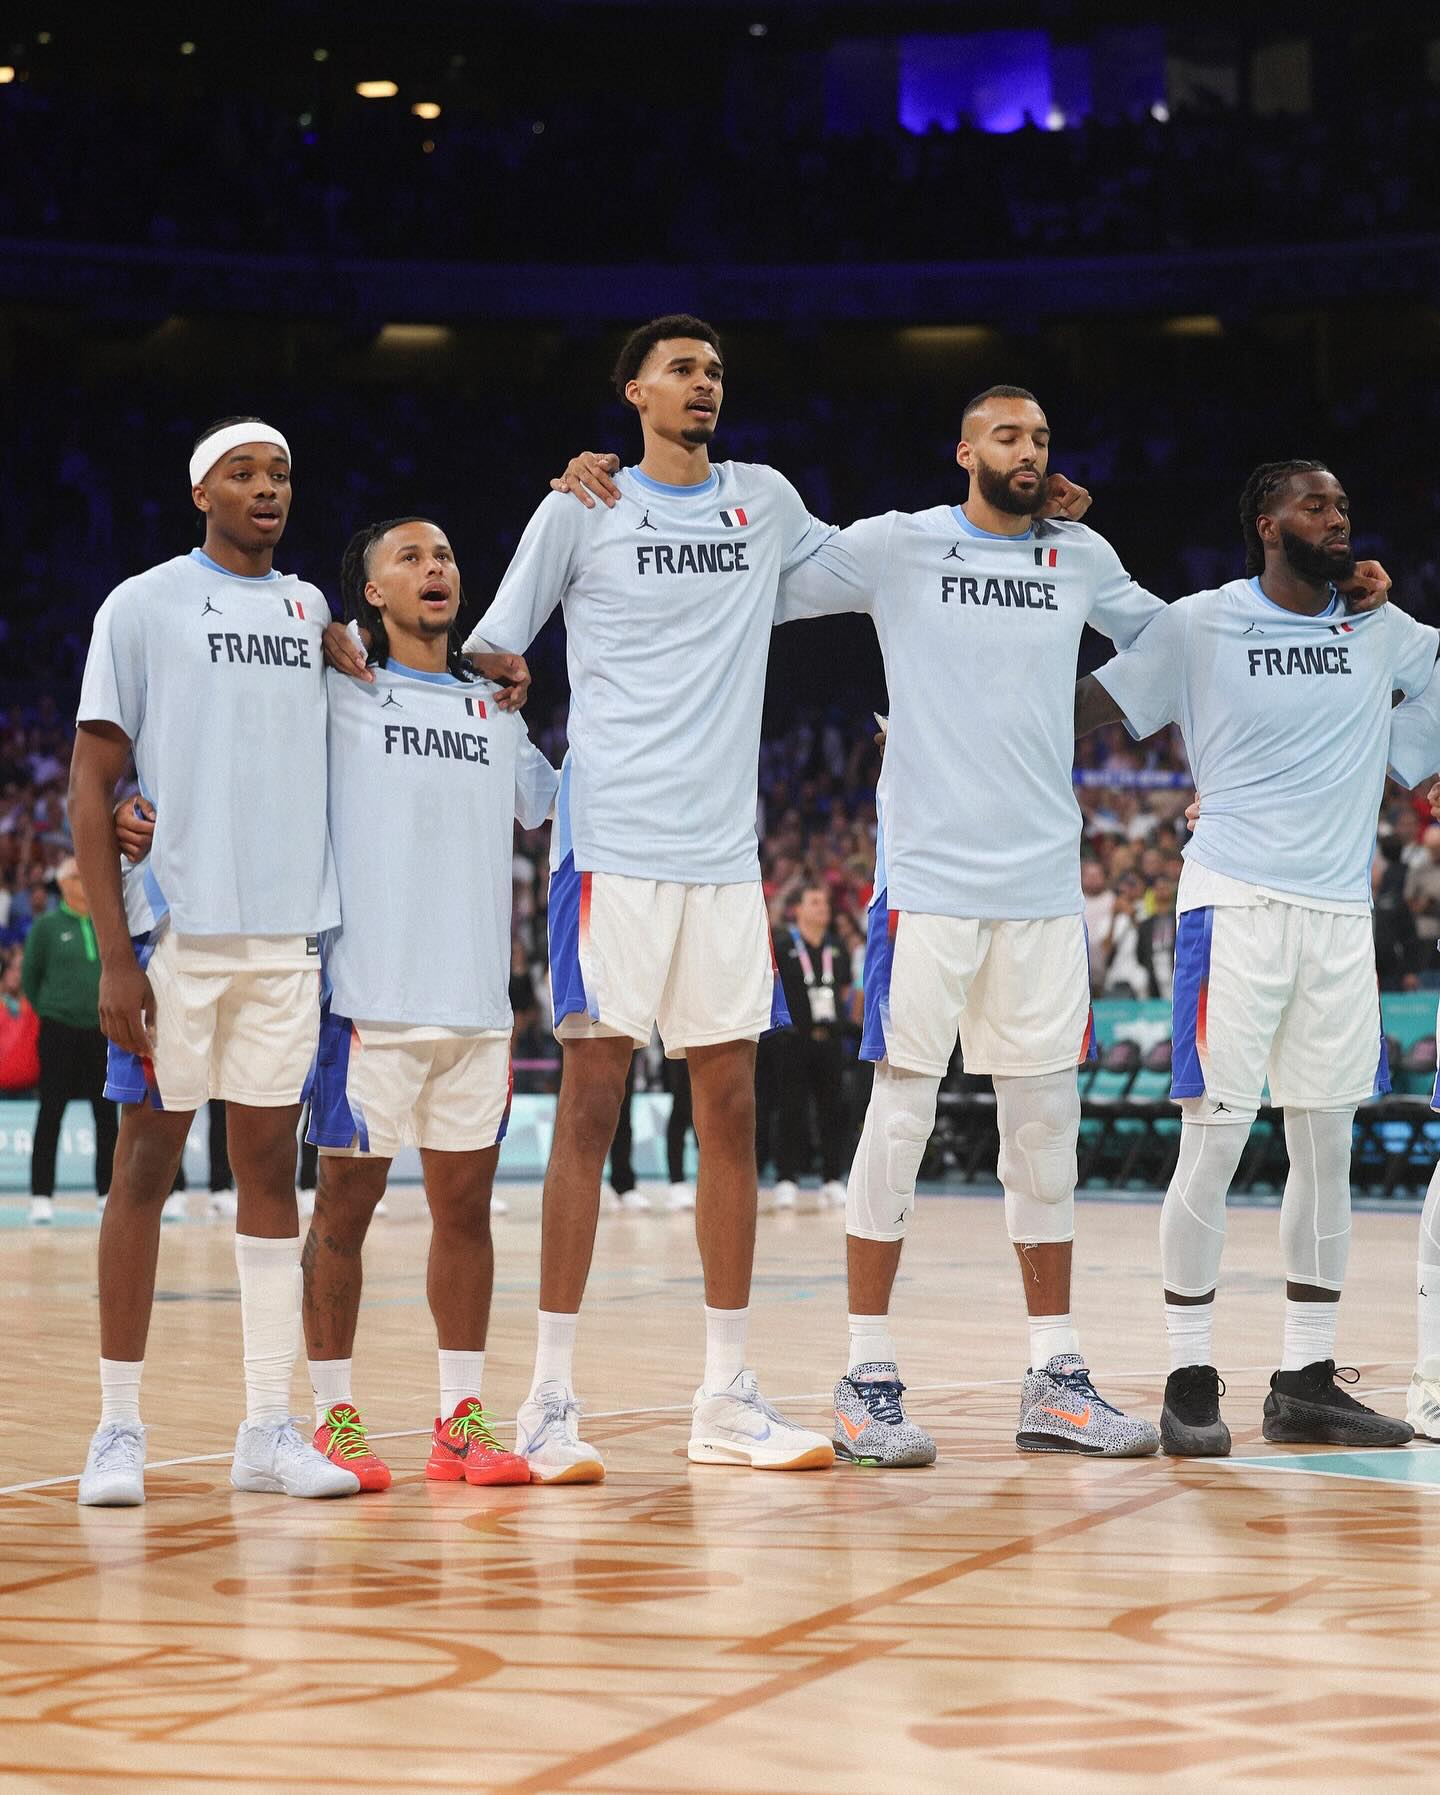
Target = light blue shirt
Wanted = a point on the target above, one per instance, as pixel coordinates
(669, 600)
(980, 635)
(427, 775)
(217, 681)
(1286, 721)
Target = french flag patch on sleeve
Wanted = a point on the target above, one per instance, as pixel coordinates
(293, 608)
(475, 706)
(1047, 557)
(736, 519)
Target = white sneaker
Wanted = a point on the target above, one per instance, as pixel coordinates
(272, 1459)
(42, 1211)
(786, 1194)
(381, 1208)
(635, 1202)
(832, 1194)
(498, 1206)
(547, 1435)
(1422, 1406)
(609, 1202)
(738, 1427)
(114, 1474)
(680, 1197)
(174, 1209)
(223, 1206)
(305, 1204)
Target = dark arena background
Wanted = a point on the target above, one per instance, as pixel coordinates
(414, 240)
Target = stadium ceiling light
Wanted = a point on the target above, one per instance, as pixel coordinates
(414, 336)
(187, 48)
(376, 90)
(1054, 119)
(426, 109)
(1160, 112)
(42, 37)
(7, 74)
(321, 55)
(759, 29)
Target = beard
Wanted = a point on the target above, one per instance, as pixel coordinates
(996, 490)
(1312, 562)
(697, 434)
(434, 626)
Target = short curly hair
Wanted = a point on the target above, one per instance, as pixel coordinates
(1261, 490)
(640, 342)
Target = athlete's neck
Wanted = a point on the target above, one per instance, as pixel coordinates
(813, 936)
(675, 464)
(1284, 587)
(424, 654)
(986, 516)
(250, 564)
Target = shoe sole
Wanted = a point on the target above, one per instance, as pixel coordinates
(1043, 1442)
(111, 1501)
(261, 1483)
(501, 1476)
(716, 1452)
(588, 1470)
(1298, 1433)
(845, 1455)
(1179, 1440)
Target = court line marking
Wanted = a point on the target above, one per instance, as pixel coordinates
(670, 1408)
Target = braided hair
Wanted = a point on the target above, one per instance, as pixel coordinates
(354, 574)
(1261, 490)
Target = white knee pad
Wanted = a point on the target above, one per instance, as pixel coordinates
(1315, 1210)
(881, 1193)
(1192, 1221)
(1039, 1122)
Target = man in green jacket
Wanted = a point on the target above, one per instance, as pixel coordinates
(61, 977)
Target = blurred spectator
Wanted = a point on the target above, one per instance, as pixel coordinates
(61, 976)
(1396, 945)
(1422, 890)
(1155, 939)
(1099, 902)
(19, 1031)
(814, 967)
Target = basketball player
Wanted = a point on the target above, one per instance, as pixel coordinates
(1284, 702)
(1414, 756)
(201, 667)
(415, 1034)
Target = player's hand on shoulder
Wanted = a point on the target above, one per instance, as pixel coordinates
(590, 473)
(127, 1008)
(345, 654)
(511, 672)
(1368, 588)
(1063, 498)
(135, 827)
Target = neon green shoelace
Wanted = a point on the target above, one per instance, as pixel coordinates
(474, 1428)
(347, 1438)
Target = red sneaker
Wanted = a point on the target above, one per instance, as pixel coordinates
(464, 1446)
(341, 1437)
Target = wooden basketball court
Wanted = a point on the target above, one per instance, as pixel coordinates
(1000, 1624)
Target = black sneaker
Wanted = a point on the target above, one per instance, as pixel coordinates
(1190, 1424)
(1308, 1408)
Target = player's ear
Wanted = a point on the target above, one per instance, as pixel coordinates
(372, 596)
(632, 393)
(200, 498)
(963, 457)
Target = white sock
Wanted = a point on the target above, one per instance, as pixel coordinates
(1427, 1315)
(120, 1389)
(460, 1376)
(554, 1349)
(1309, 1333)
(1189, 1327)
(270, 1322)
(725, 1331)
(330, 1383)
(1051, 1334)
(870, 1341)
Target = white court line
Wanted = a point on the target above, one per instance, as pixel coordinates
(671, 1408)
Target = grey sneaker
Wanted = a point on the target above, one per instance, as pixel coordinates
(272, 1459)
(1061, 1411)
(871, 1427)
(1308, 1408)
(114, 1474)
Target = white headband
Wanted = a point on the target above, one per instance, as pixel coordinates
(217, 447)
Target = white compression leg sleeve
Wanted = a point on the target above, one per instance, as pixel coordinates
(1039, 1123)
(1315, 1210)
(881, 1193)
(1192, 1221)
